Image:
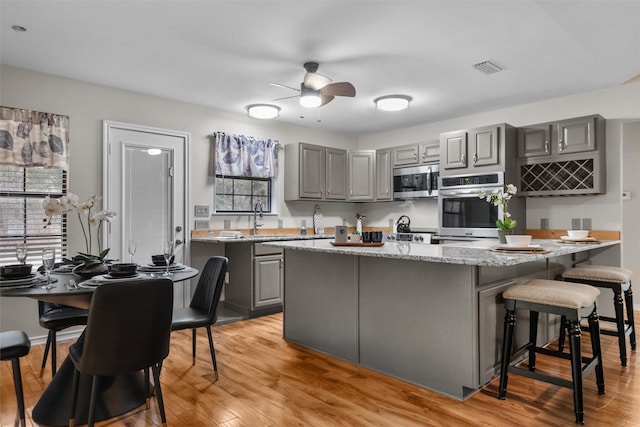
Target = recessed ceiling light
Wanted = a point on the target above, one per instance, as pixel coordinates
(263, 111)
(392, 102)
(18, 28)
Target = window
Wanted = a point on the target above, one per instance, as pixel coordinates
(239, 194)
(22, 190)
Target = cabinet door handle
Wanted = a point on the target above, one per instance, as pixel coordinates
(546, 146)
(475, 158)
(560, 145)
(463, 159)
(321, 191)
(281, 263)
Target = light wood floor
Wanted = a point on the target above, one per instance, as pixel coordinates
(265, 381)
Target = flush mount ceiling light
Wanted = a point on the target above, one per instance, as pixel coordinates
(309, 98)
(392, 102)
(263, 111)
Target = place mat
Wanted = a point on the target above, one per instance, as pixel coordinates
(569, 240)
(532, 249)
(372, 244)
(152, 268)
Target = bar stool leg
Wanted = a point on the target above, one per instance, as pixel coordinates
(628, 300)
(563, 334)
(576, 369)
(509, 325)
(618, 305)
(17, 383)
(533, 339)
(594, 331)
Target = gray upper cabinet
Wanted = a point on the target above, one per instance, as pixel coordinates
(336, 174)
(384, 175)
(406, 155)
(561, 158)
(361, 175)
(484, 144)
(314, 172)
(559, 138)
(478, 150)
(430, 152)
(534, 140)
(453, 150)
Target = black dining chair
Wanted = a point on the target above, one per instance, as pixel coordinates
(14, 345)
(201, 312)
(128, 330)
(55, 318)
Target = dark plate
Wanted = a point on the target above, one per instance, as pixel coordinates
(15, 271)
(114, 275)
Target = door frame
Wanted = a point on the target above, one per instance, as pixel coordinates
(106, 176)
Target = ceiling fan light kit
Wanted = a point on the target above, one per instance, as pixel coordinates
(392, 102)
(309, 98)
(263, 111)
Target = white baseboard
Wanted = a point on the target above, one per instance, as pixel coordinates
(69, 334)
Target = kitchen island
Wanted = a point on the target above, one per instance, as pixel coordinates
(428, 314)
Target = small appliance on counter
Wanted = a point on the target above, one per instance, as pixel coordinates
(403, 224)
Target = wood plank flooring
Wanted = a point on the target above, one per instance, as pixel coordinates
(265, 381)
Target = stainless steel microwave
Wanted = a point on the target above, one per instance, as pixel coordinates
(415, 182)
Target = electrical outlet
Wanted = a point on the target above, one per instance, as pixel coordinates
(279, 223)
(202, 224)
(544, 223)
(227, 224)
(575, 223)
(586, 223)
(201, 210)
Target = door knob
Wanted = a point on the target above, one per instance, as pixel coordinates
(179, 228)
(179, 242)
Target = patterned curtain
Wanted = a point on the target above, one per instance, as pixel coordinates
(32, 138)
(239, 155)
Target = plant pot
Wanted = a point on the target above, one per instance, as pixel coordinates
(90, 271)
(502, 234)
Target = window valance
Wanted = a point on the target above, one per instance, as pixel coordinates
(32, 138)
(245, 156)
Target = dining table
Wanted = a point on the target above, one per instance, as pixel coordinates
(117, 394)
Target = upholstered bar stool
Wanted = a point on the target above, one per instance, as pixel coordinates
(618, 280)
(14, 345)
(573, 301)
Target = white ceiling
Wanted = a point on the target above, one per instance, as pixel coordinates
(223, 54)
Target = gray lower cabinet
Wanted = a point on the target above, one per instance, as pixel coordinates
(256, 278)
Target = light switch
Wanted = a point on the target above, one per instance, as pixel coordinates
(201, 210)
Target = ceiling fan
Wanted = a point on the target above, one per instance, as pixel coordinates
(317, 90)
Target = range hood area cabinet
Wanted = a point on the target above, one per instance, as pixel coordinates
(565, 157)
(313, 172)
(415, 154)
(479, 150)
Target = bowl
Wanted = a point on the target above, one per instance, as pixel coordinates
(578, 234)
(518, 240)
(15, 271)
(123, 269)
(159, 259)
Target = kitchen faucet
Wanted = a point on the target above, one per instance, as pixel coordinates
(257, 209)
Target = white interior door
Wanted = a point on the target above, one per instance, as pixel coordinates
(146, 185)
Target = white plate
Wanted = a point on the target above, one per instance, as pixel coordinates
(155, 268)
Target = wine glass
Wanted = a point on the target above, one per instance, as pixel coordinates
(48, 261)
(21, 252)
(132, 248)
(167, 251)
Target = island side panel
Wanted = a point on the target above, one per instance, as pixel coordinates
(321, 301)
(418, 322)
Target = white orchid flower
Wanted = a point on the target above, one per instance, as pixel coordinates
(103, 215)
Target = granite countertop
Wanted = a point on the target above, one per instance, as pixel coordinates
(477, 253)
(249, 238)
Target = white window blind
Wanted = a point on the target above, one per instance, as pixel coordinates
(22, 190)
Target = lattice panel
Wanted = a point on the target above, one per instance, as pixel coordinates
(558, 176)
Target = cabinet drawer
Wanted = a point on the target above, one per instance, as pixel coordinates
(262, 249)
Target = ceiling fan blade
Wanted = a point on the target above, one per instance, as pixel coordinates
(339, 89)
(325, 99)
(284, 86)
(287, 97)
(316, 81)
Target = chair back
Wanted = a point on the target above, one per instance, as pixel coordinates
(207, 294)
(128, 328)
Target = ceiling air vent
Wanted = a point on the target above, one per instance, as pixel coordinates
(487, 67)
